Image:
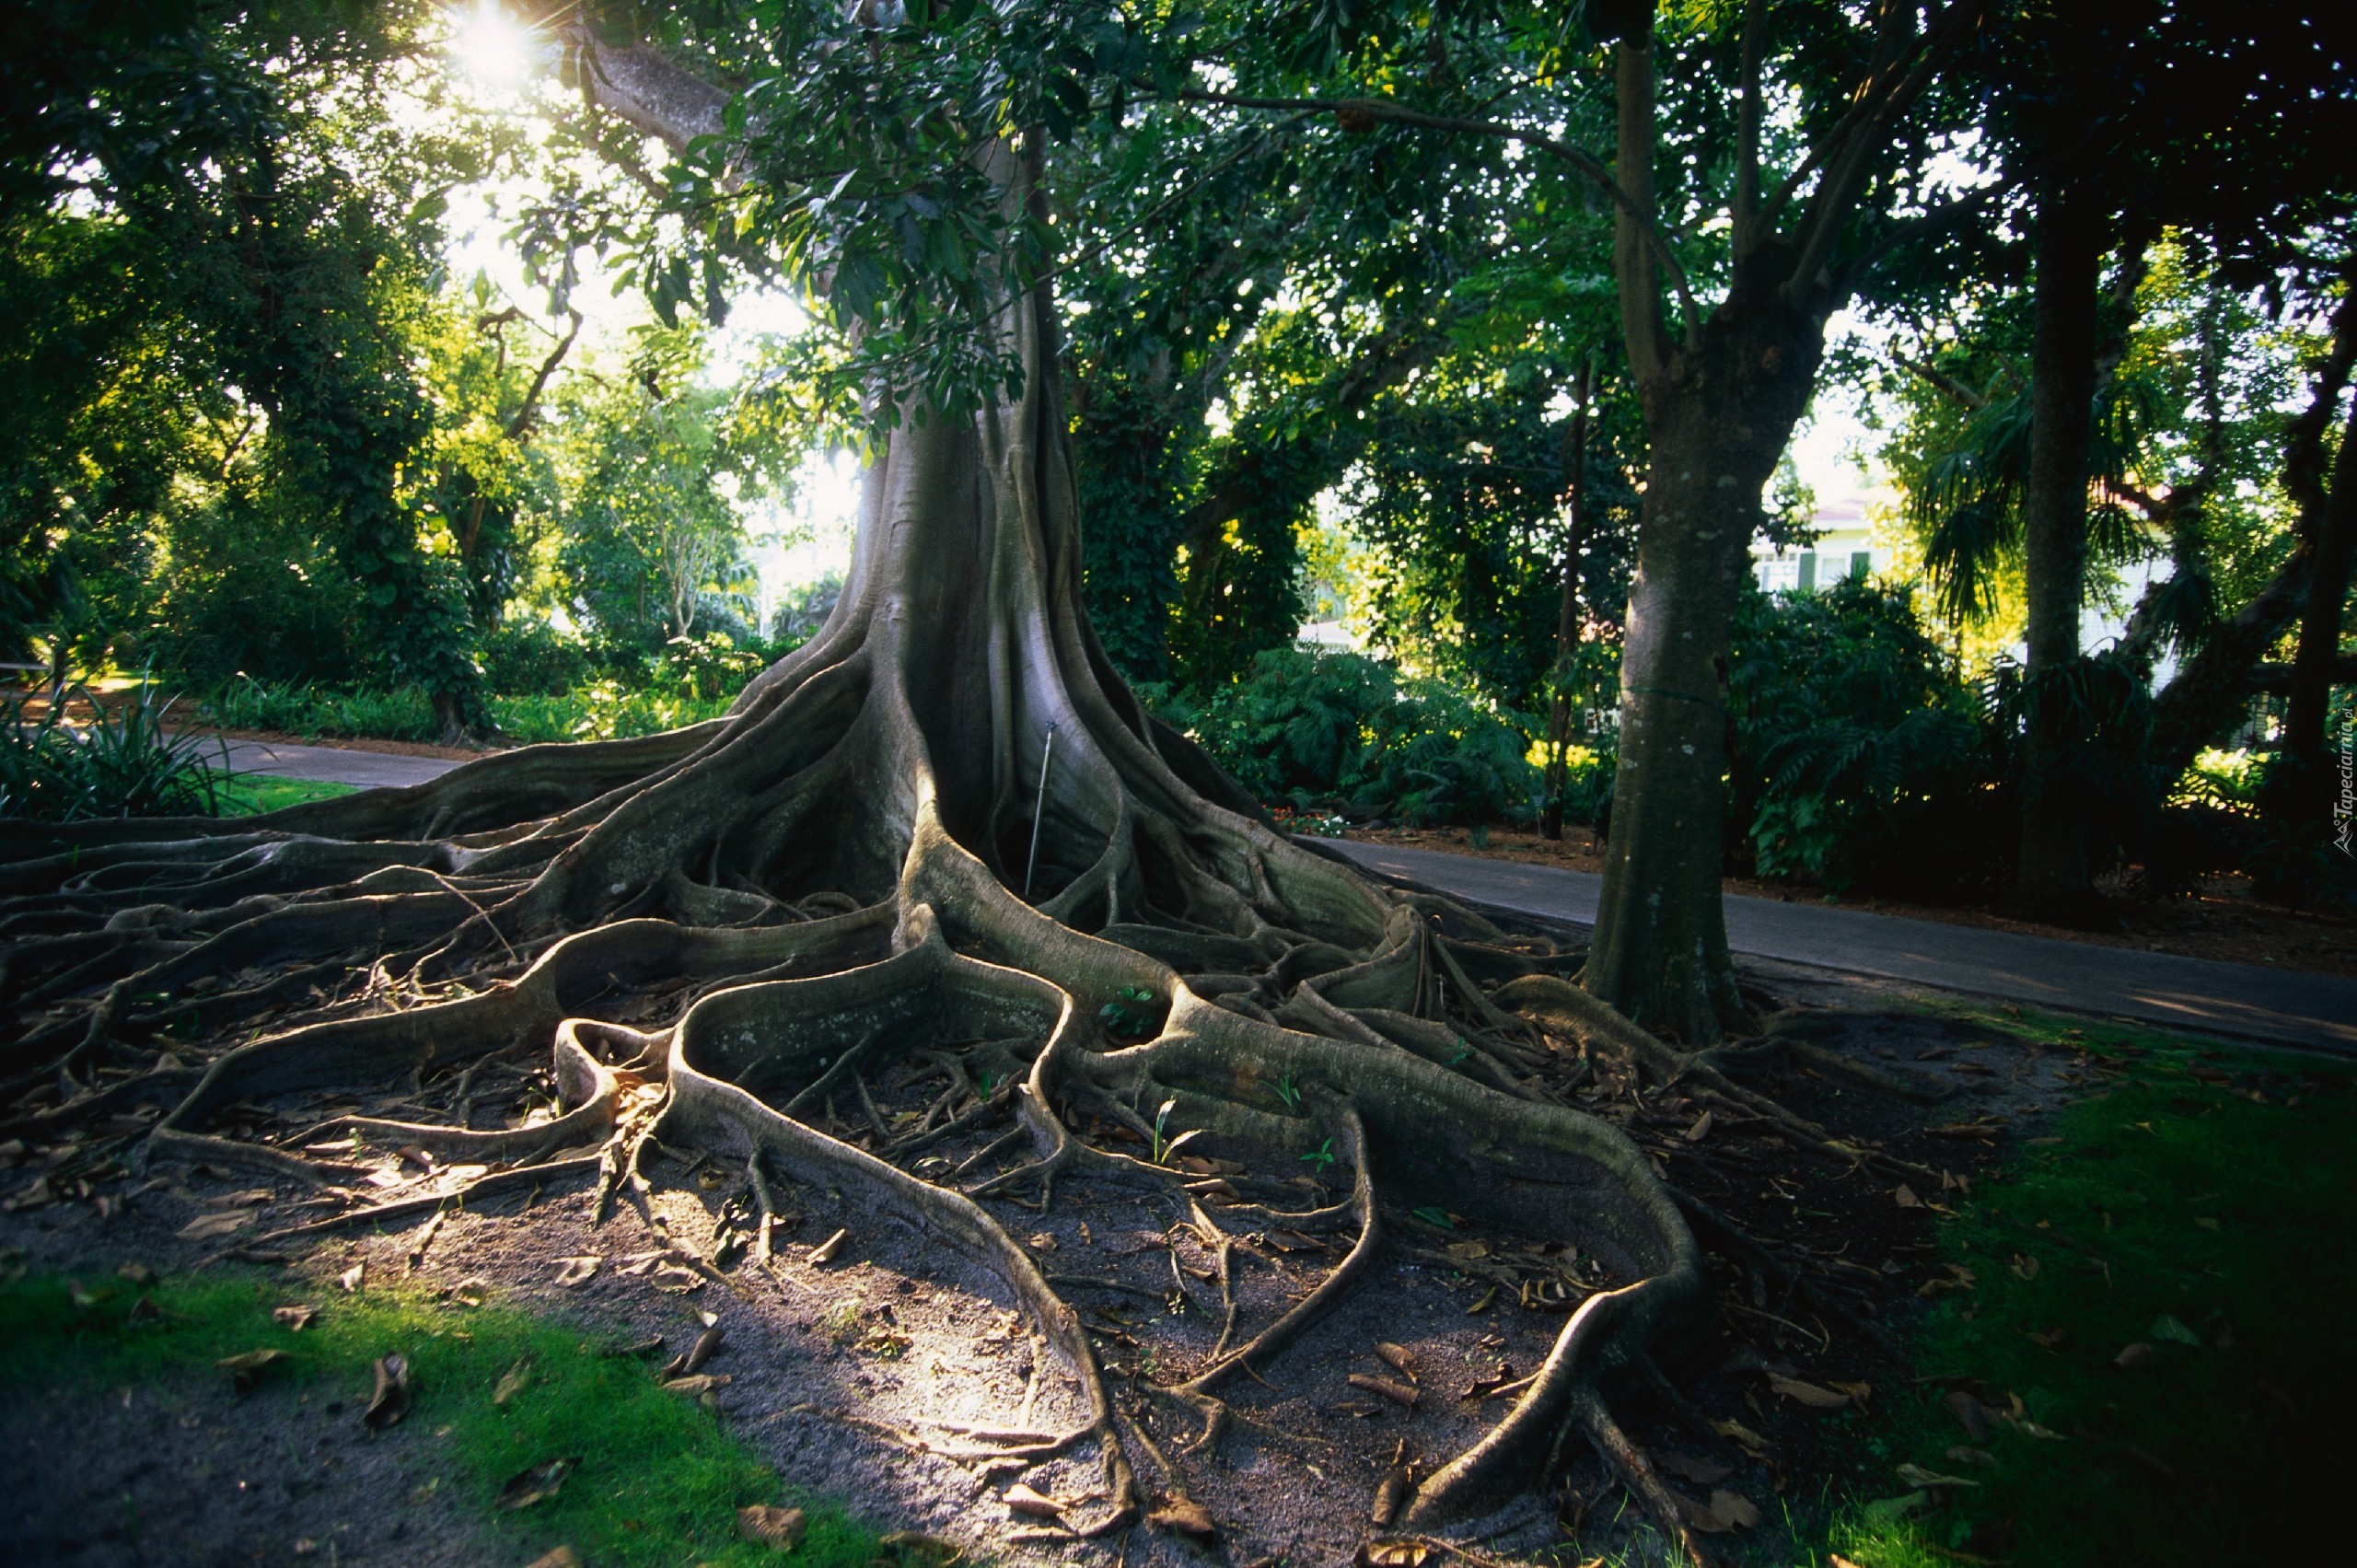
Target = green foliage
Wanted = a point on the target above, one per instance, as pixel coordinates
(124, 762)
(1310, 724)
(2153, 1212)
(659, 1481)
(1859, 757)
(404, 712)
(529, 657)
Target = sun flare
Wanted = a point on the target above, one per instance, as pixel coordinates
(493, 47)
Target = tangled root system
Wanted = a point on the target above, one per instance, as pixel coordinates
(941, 836)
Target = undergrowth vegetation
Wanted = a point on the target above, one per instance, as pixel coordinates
(1310, 726)
(125, 763)
(658, 1480)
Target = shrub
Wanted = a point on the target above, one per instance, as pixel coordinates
(1858, 755)
(123, 763)
(405, 713)
(533, 656)
(1309, 726)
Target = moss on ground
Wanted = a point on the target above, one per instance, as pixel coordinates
(659, 1480)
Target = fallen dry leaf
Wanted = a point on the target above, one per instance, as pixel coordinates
(1742, 1436)
(935, 1551)
(1042, 1242)
(777, 1528)
(1388, 1495)
(1859, 1392)
(571, 1272)
(2133, 1356)
(1808, 1394)
(206, 1227)
(1968, 1410)
(700, 1383)
(1701, 1128)
(293, 1319)
(513, 1382)
(247, 1370)
(1905, 1197)
(1734, 1510)
(351, 1278)
(1916, 1475)
(2023, 1267)
(1032, 1504)
(2167, 1328)
(2050, 1339)
(1185, 1516)
(1969, 1456)
(1686, 1466)
(557, 1556)
(826, 1251)
(390, 1401)
(1392, 1554)
(1398, 1393)
(1402, 1359)
(537, 1484)
(1468, 1251)
(675, 1279)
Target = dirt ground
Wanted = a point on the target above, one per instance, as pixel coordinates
(2223, 922)
(855, 1376)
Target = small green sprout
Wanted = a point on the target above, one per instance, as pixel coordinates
(1124, 1017)
(1434, 1216)
(1320, 1157)
(1289, 1093)
(1165, 1147)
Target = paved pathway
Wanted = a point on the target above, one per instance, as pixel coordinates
(2161, 988)
(2251, 1000)
(332, 764)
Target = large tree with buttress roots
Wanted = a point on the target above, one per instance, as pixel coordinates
(943, 826)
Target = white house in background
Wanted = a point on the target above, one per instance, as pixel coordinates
(1844, 548)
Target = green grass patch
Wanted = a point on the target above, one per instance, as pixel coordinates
(250, 794)
(2166, 1210)
(659, 1480)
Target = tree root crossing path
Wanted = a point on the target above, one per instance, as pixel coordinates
(2248, 1000)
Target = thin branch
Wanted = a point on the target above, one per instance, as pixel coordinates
(1632, 258)
(523, 420)
(1590, 166)
(1745, 214)
(1846, 148)
(1936, 378)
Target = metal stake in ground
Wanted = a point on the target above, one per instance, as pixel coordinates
(1046, 753)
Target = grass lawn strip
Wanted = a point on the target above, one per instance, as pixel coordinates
(658, 1481)
(2147, 1328)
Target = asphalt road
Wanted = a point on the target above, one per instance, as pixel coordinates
(334, 764)
(2248, 1000)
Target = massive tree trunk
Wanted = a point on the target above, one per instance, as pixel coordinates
(2052, 873)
